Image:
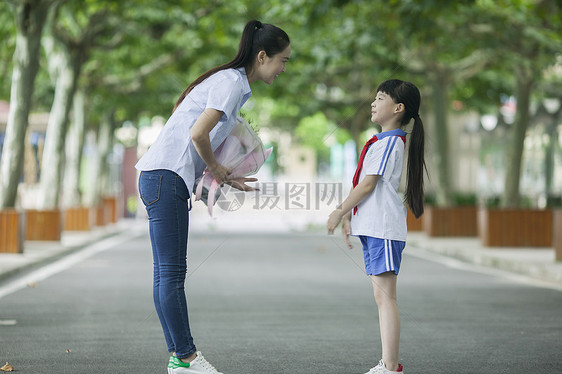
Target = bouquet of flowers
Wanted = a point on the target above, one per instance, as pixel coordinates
(242, 152)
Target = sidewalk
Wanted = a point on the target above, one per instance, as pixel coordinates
(37, 253)
(536, 263)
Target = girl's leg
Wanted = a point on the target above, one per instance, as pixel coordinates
(384, 286)
(165, 196)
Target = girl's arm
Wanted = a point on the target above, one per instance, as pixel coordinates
(346, 229)
(200, 137)
(362, 190)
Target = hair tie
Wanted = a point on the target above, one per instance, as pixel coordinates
(416, 116)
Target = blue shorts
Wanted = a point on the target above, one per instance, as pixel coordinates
(381, 255)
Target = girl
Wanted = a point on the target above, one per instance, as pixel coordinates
(203, 116)
(379, 215)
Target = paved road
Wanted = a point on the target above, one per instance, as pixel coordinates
(279, 303)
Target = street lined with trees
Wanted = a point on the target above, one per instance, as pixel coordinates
(98, 64)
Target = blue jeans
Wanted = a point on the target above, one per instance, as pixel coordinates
(166, 199)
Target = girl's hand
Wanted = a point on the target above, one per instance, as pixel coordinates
(334, 220)
(240, 184)
(220, 173)
(346, 230)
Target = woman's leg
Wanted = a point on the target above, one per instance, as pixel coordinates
(156, 291)
(166, 198)
(384, 286)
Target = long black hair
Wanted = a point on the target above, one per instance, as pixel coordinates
(256, 37)
(409, 95)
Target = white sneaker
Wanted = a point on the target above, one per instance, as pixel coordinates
(197, 366)
(381, 369)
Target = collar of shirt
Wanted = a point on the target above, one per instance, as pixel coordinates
(395, 132)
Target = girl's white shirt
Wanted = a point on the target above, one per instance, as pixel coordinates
(226, 91)
(382, 213)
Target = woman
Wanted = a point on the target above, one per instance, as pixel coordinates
(203, 116)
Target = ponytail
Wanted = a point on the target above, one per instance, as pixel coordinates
(256, 37)
(416, 166)
(408, 94)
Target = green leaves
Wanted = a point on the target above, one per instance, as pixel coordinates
(148, 51)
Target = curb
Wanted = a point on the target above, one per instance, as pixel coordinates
(536, 263)
(62, 251)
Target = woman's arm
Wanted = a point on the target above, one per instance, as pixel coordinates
(200, 137)
(362, 190)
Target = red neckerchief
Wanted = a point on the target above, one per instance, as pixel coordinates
(362, 158)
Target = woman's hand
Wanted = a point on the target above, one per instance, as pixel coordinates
(220, 173)
(240, 184)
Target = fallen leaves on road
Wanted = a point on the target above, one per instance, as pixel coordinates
(68, 350)
(7, 367)
(32, 285)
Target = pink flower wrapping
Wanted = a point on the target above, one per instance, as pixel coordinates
(242, 151)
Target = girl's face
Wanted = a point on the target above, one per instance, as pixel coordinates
(383, 109)
(269, 68)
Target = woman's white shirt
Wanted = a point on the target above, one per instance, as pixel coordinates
(226, 91)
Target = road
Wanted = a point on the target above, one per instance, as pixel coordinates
(276, 303)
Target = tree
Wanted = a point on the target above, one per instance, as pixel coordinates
(72, 34)
(424, 32)
(549, 112)
(7, 47)
(141, 75)
(530, 37)
(30, 17)
(74, 145)
(335, 72)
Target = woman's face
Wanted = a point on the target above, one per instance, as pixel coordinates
(270, 67)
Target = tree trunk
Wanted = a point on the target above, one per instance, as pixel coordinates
(52, 164)
(74, 145)
(525, 81)
(105, 144)
(30, 18)
(100, 171)
(440, 100)
(549, 159)
(550, 152)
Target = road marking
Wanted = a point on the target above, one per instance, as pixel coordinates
(67, 262)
